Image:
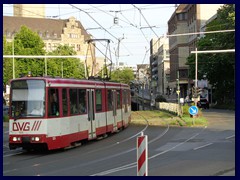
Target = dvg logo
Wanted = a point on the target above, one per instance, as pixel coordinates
(26, 126)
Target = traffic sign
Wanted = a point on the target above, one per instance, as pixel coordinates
(193, 110)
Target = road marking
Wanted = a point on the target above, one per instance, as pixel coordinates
(134, 164)
(230, 137)
(203, 146)
(8, 171)
(35, 165)
(12, 154)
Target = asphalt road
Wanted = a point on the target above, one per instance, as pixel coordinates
(172, 151)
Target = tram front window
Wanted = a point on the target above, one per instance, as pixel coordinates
(28, 98)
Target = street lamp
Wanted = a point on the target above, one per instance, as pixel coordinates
(118, 48)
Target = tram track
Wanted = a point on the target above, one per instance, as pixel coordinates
(114, 155)
(118, 154)
(106, 147)
(134, 164)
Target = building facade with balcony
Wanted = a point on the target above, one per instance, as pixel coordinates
(187, 18)
(160, 66)
(154, 46)
(163, 67)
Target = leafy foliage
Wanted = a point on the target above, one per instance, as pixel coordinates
(27, 42)
(219, 68)
(72, 67)
(124, 76)
(7, 62)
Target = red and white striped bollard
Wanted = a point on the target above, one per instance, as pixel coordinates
(142, 155)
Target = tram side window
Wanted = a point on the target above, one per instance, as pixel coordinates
(98, 100)
(109, 100)
(125, 100)
(73, 102)
(82, 101)
(53, 102)
(129, 97)
(64, 102)
(118, 99)
(124, 97)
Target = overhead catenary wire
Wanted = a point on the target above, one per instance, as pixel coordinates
(145, 19)
(94, 20)
(144, 8)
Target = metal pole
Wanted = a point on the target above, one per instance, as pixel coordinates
(178, 88)
(62, 68)
(118, 49)
(45, 65)
(196, 76)
(178, 93)
(13, 58)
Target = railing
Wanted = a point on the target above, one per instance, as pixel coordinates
(170, 107)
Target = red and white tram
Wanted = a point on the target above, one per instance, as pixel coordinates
(56, 113)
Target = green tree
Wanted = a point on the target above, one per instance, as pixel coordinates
(219, 68)
(27, 42)
(123, 76)
(7, 62)
(72, 67)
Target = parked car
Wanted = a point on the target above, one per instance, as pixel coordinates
(203, 103)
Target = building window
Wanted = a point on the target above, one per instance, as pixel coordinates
(47, 34)
(40, 34)
(78, 47)
(8, 33)
(49, 46)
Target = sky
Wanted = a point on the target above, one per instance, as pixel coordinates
(137, 25)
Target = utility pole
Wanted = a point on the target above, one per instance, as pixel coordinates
(196, 77)
(13, 60)
(45, 61)
(62, 68)
(178, 92)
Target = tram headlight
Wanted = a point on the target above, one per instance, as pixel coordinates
(19, 139)
(35, 139)
(14, 139)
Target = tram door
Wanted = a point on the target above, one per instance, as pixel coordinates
(91, 114)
